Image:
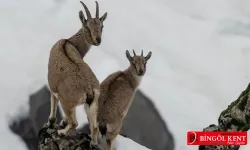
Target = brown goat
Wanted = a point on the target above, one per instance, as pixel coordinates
(117, 92)
(71, 80)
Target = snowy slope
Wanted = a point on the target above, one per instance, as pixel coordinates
(200, 61)
(122, 143)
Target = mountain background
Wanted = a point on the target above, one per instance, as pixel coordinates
(200, 55)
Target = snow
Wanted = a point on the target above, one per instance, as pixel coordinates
(199, 63)
(122, 143)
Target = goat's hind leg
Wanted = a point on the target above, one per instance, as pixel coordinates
(110, 139)
(53, 109)
(92, 118)
(112, 130)
(93, 124)
(94, 110)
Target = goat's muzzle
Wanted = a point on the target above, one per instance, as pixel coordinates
(98, 41)
(141, 72)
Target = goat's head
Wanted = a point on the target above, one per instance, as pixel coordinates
(92, 27)
(138, 62)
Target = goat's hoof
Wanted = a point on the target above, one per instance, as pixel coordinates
(93, 145)
(51, 123)
(63, 124)
(62, 132)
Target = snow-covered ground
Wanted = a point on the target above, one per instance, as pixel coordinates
(122, 143)
(200, 61)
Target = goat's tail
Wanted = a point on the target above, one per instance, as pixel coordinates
(71, 52)
(102, 129)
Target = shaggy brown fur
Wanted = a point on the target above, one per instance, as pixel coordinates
(117, 92)
(73, 83)
(71, 80)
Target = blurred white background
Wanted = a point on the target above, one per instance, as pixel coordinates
(200, 61)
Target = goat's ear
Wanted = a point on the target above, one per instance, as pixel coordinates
(103, 18)
(128, 55)
(81, 16)
(148, 56)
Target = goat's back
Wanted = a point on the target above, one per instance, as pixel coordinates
(115, 99)
(66, 75)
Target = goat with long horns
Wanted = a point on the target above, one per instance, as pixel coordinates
(71, 80)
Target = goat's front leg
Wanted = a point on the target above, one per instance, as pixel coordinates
(72, 123)
(53, 108)
(110, 140)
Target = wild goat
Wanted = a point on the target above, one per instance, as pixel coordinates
(71, 80)
(117, 92)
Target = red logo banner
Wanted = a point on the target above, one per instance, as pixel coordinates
(216, 138)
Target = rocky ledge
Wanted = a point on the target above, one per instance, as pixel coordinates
(48, 139)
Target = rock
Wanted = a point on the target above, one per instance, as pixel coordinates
(154, 135)
(236, 117)
(144, 125)
(48, 139)
(23, 128)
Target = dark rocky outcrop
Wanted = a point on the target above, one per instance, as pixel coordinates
(23, 128)
(28, 127)
(48, 139)
(236, 117)
(143, 124)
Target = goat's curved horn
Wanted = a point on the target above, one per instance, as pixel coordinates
(97, 10)
(128, 55)
(141, 52)
(86, 10)
(134, 53)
